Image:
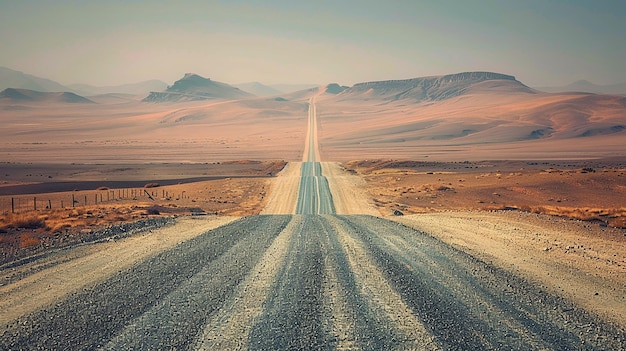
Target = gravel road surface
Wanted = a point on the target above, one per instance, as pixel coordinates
(314, 280)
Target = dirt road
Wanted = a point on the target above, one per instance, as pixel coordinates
(307, 281)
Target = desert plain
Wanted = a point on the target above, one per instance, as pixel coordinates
(533, 183)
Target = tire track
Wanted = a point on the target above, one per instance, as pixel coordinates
(176, 320)
(380, 301)
(230, 327)
(468, 304)
(293, 319)
(355, 321)
(89, 319)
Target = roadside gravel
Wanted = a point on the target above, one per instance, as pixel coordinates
(283, 193)
(469, 304)
(348, 191)
(578, 260)
(67, 271)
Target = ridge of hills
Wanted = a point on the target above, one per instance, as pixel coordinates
(457, 116)
(19, 80)
(437, 88)
(193, 87)
(27, 95)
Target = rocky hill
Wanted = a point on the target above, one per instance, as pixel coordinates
(194, 87)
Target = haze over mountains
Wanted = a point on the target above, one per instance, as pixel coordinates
(25, 95)
(18, 80)
(470, 115)
(587, 87)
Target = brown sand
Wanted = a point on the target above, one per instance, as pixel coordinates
(590, 190)
(579, 253)
(235, 189)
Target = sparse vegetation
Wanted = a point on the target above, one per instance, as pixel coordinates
(23, 221)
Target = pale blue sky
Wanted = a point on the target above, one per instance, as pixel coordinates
(541, 42)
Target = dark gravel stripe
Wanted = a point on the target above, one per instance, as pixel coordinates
(293, 316)
(442, 315)
(548, 322)
(176, 320)
(87, 320)
(372, 330)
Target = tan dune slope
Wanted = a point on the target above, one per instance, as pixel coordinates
(120, 130)
(465, 116)
(488, 120)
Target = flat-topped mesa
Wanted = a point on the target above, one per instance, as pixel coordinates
(433, 87)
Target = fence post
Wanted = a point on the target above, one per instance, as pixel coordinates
(73, 201)
(49, 204)
(12, 205)
(35, 203)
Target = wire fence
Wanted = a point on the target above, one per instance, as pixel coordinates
(41, 202)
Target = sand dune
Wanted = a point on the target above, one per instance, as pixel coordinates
(485, 120)
(476, 115)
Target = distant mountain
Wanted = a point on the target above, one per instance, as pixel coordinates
(334, 88)
(584, 86)
(19, 80)
(290, 88)
(26, 95)
(437, 88)
(194, 87)
(140, 88)
(258, 89)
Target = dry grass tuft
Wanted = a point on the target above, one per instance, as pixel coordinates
(28, 240)
(23, 221)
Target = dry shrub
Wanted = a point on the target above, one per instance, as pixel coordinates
(435, 187)
(28, 240)
(25, 221)
(77, 212)
(151, 185)
(103, 188)
(59, 227)
(153, 210)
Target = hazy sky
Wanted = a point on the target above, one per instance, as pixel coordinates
(541, 42)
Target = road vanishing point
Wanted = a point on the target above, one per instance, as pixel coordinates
(310, 279)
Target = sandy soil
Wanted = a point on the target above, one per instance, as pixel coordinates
(582, 260)
(590, 190)
(283, 194)
(136, 132)
(477, 125)
(348, 191)
(87, 265)
(234, 188)
(575, 259)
